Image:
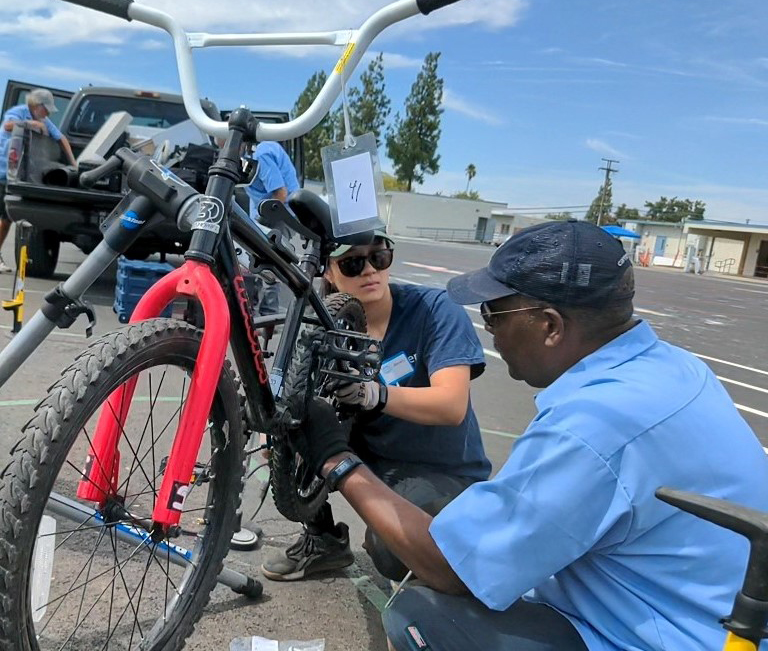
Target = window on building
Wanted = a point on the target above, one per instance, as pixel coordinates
(504, 229)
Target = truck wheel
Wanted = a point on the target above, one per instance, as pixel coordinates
(42, 252)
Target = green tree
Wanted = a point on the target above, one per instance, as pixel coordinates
(322, 135)
(472, 195)
(674, 209)
(412, 141)
(622, 213)
(369, 106)
(602, 203)
(471, 173)
(560, 216)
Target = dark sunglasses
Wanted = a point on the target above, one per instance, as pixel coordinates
(488, 315)
(354, 265)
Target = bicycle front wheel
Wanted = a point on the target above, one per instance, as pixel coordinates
(78, 575)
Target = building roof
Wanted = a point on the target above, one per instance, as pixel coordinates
(651, 222)
(710, 225)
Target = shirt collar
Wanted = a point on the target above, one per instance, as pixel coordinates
(617, 351)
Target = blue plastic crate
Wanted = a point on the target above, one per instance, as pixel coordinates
(134, 278)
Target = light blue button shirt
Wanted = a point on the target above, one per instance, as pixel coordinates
(17, 114)
(275, 170)
(573, 517)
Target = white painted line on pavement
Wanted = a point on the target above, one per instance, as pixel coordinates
(651, 312)
(53, 333)
(752, 291)
(742, 384)
(430, 267)
(405, 280)
(749, 410)
(722, 361)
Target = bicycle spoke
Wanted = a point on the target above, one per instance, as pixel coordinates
(124, 437)
(98, 598)
(122, 485)
(130, 599)
(148, 422)
(61, 603)
(133, 553)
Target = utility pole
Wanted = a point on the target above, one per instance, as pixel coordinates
(608, 169)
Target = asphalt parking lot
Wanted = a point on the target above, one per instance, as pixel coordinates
(720, 320)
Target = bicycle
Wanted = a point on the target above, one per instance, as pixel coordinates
(119, 503)
(746, 625)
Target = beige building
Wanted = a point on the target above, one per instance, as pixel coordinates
(742, 248)
(722, 247)
(508, 223)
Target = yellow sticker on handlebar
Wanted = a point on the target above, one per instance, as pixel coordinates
(344, 58)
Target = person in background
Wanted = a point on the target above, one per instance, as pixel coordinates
(416, 428)
(34, 115)
(275, 178)
(567, 548)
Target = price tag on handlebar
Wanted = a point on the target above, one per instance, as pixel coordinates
(355, 185)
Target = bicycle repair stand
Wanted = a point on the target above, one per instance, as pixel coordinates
(16, 304)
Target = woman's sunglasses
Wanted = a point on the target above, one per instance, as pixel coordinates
(354, 265)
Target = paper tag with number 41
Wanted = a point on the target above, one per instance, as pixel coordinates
(355, 185)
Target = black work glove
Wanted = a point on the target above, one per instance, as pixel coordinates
(323, 435)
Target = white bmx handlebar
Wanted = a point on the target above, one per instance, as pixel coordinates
(356, 41)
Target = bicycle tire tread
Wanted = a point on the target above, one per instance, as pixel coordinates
(19, 479)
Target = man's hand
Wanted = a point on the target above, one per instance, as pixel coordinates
(324, 436)
(361, 394)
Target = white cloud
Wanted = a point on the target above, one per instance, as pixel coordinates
(601, 62)
(393, 60)
(453, 102)
(759, 122)
(56, 75)
(53, 22)
(154, 44)
(602, 147)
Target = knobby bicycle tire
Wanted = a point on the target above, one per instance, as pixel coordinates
(40, 457)
(297, 493)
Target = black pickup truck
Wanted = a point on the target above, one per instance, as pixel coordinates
(42, 191)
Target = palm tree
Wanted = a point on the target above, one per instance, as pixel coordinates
(471, 173)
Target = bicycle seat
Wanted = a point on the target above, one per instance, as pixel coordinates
(314, 213)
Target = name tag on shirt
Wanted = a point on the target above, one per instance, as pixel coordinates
(395, 369)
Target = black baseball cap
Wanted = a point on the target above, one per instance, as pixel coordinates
(569, 263)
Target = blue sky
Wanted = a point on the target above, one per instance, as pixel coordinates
(537, 91)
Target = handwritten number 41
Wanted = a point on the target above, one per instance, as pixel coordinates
(355, 187)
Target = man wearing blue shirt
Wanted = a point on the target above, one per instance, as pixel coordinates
(275, 178)
(567, 547)
(34, 114)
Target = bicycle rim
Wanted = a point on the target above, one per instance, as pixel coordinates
(95, 578)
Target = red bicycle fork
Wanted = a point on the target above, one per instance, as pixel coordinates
(101, 475)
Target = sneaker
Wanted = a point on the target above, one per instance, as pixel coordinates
(310, 554)
(4, 268)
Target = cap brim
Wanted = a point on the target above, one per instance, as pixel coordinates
(477, 287)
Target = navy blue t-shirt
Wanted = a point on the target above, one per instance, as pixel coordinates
(431, 332)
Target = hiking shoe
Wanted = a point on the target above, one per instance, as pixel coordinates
(4, 268)
(310, 554)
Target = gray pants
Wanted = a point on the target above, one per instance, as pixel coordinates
(269, 293)
(451, 623)
(420, 485)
